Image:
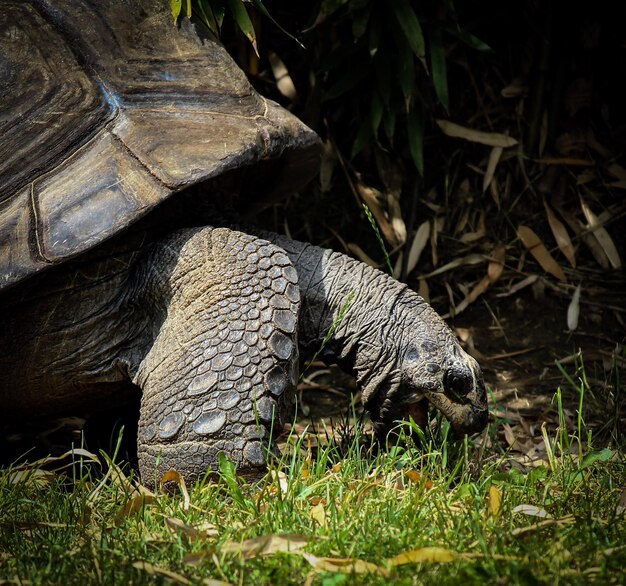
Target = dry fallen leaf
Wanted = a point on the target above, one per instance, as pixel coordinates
(534, 245)
(267, 545)
(284, 83)
(418, 245)
(193, 533)
(601, 234)
(162, 572)
(137, 501)
(573, 310)
(318, 514)
(495, 501)
(561, 235)
(423, 554)
(621, 505)
(494, 139)
(174, 476)
(531, 510)
(494, 158)
(470, 259)
(386, 211)
(344, 565)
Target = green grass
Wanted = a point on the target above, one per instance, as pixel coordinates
(483, 517)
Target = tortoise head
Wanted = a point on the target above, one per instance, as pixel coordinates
(425, 366)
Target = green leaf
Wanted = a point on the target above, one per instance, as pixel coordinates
(228, 473)
(346, 83)
(261, 8)
(205, 11)
(359, 23)
(240, 14)
(328, 7)
(175, 6)
(376, 112)
(374, 37)
(596, 456)
(438, 67)
(363, 136)
(389, 123)
(405, 63)
(383, 75)
(410, 25)
(469, 39)
(415, 134)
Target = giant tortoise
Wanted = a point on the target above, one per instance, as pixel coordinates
(117, 131)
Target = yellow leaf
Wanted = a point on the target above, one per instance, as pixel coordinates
(495, 501)
(423, 554)
(413, 476)
(318, 514)
(534, 245)
(344, 565)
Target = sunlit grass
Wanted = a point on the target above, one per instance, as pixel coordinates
(460, 512)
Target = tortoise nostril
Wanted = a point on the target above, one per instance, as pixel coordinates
(458, 382)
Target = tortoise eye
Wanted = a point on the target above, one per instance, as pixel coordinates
(412, 354)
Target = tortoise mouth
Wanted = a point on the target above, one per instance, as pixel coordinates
(418, 411)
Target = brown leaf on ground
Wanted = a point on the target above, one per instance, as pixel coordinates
(176, 478)
(318, 514)
(561, 235)
(153, 570)
(601, 234)
(267, 545)
(344, 565)
(494, 158)
(132, 505)
(534, 245)
(193, 533)
(531, 510)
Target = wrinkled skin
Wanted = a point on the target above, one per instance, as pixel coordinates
(397, 346)
(207, 323)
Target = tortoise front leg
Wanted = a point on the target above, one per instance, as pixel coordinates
(222, 367)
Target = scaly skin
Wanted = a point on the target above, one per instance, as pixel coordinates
(207, 322)
(396, 345)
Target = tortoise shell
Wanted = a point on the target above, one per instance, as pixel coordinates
(106, 110)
